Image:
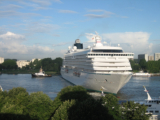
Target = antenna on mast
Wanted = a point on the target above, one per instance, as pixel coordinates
(96, 33)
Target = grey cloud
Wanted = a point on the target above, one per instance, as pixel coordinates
(37, 27)
(42, 2)
(67, 11)
(11, 7)
(104, 14)
(97, 16)
(10, 13)
(61, 44)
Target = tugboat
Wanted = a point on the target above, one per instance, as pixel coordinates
(41, 74)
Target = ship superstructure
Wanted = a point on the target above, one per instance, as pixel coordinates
(97, 67)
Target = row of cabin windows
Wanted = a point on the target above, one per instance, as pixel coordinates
(110, 54)
(153, 111)
(120, 51)
(155, 101)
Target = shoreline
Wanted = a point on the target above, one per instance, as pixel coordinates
(27, 72)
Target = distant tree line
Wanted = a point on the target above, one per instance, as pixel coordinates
(150, 66)
(71, 103)
(47, 64)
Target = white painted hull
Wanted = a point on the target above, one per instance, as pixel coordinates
(142, 74)
(112, 82)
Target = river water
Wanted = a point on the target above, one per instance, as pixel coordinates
(133, 90)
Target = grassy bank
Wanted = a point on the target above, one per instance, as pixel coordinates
(27, 72)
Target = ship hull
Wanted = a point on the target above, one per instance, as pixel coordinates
(111, 82)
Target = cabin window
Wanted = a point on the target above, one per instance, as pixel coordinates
(151, 111)
(149, 105)
(147, 111)
(106, 54)
(156, 111)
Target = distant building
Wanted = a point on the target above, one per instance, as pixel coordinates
(21, 63)
(1, 60)
(156, 56)
(150, 58)
(142, 56)
(34, 59)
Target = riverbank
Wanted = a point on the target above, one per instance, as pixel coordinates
(26, 72)
(155, 74)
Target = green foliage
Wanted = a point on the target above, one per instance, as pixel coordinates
(47, 64)
(71, 103)
(134, 111)
(77, 93)
(89, 109)
(111, 103)
(62, 113)
(39, 106)
(134, 65)
(143, 64)
(153, 66)
(9, 64)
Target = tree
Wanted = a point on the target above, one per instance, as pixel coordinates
(57, 64)
(111, 103)
(47, 64)
(143, 64)
(134, 111)
(39, 106)
(77, 93)
(9, 64)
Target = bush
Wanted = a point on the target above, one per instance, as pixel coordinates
(62, 112)
(110, 102)
(39, 106)
(77, 93)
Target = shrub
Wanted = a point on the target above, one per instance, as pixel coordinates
(62, 113)
(39, 106)
(77, 93)
(110, 102)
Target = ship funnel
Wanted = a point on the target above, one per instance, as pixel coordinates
(78, 44)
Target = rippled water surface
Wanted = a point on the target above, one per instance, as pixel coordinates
(133, 90)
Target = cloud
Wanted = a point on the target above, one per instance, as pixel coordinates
(11, 7)
(61, 44)
(131, 41)
(11, 13)
(42, 2)
(58, 1)
(12, 46)
(67, 11)
(89, 37)
(37, 27)
(104, 14)
(137, 42)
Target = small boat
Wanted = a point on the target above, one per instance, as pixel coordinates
(41, 74)
(141, 74)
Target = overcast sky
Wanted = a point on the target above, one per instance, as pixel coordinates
(45, 28)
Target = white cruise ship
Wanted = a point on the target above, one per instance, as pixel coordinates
(97, 67)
